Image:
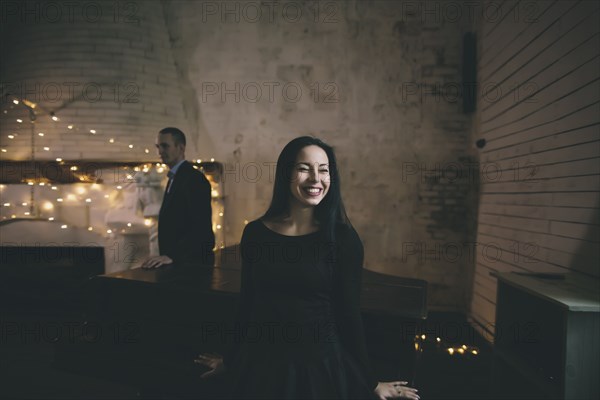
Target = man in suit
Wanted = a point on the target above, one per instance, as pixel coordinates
(185, 233)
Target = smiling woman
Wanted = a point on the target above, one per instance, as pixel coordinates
(307, 333)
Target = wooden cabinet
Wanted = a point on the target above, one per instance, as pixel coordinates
(547, 336)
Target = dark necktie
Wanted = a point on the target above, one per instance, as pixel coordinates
(171, 175)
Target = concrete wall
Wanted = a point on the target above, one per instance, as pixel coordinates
(378, 80)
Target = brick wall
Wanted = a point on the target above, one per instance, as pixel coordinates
(538, 111)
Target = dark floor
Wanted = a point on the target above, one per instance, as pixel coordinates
(28, 368)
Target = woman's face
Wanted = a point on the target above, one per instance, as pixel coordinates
(310, 181)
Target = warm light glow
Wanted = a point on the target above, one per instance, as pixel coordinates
(71, 197)
(48, 206)
(88, 200)
(90, 228)
(416, 346)
(212, 160)
(111, 140)
(47, 148)
(461, 350)
(80, 190)
(220, 214)
(30, 183)
(74, 168)
(245, 222)
(26, 213)
(218, 226)
(63, 227)
(146, 151)
(93, 131)
(19, 120)
(51, 219)
(147, 222)
(70, 127)
(11, 136)
(54, 188)
(6, 204)
(16, 101)
(214, 193)
(13, 216)
(129, 224)
(54, 118)
(474, 352)
(59, 199)
(106, 196)
(119, 187)
(41, 134)
(423, 337)
(59, 159)
(438, 339)
(464, 346)
(42, 183)
(160, 170)
(131, 146)
(451, 350)
(4, 150)
(23, 204)
(109, 231)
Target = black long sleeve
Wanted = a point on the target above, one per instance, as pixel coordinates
(347, 288)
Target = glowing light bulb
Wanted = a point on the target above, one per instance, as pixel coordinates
(70, 127)
(93, 131)
(47, 148)
(19, 120)
(51, 219)
(451, 350)
(147, 222)
(11, 136)
(111, 140)
(131, 146)
(129, 224)
(59, 159)
(48, 206)
(41, 134)
(63, 227)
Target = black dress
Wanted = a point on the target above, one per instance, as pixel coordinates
(300, 329)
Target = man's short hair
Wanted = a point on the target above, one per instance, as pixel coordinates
(178, 135)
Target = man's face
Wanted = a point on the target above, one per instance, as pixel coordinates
(169, 152)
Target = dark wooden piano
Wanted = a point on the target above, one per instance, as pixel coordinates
(143, 327)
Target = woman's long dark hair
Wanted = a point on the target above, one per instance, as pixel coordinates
(330, 212)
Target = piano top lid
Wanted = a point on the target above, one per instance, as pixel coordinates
(571, 291)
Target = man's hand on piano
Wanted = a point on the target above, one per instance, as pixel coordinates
(395, 390)
(212, 361)
(156, 262)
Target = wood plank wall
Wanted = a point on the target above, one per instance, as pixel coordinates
(538, 110)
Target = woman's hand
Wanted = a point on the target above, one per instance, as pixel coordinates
(212, 361)
(395, 390)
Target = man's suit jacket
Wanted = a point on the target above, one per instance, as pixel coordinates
(185, 220)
